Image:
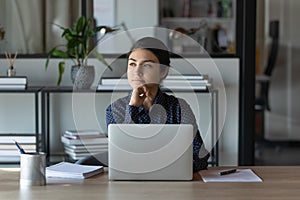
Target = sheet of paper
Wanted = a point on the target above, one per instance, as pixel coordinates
(241, 175)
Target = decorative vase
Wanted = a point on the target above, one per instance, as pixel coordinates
(82, 76)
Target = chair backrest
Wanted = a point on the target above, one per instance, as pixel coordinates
(274, 34)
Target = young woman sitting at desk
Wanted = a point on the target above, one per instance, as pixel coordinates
(148, 64)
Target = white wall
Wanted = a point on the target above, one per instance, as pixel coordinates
(63, 112)
(137, 13)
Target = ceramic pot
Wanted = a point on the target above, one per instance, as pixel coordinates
(82, 76)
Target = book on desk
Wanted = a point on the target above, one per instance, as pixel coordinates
(72, 170)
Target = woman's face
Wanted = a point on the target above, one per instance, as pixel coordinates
(143, 68)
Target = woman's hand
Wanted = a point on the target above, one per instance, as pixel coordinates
(143, 95)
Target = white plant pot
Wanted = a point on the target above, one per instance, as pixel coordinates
(82, 76)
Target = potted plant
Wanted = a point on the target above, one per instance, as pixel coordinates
(78, 38)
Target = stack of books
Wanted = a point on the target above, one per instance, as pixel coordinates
(9, 153)
(81, 143)
(172, 82)
(187, 82)
(13, 82)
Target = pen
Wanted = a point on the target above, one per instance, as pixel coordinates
(230, 171)
(19, 147)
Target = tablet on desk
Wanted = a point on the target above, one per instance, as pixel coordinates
(150, 152)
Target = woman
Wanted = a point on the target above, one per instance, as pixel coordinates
(148, 64)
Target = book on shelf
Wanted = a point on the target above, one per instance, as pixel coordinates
(12, 87)
(83, 132)
(22, 139)
(124, 81)
(84, 136)
(192, 82)
(186, 88)
(169, 86)
(82, 147)
(72, 170)
(165, 81)
(114, 81)
(114, 87)
(9, 158)
(186, 77)
(79, 152)
(12, 146)
(68, 141)
(9, 152)
(13, 80)
(75, 156)
(173, 82)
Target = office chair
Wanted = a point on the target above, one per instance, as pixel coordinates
(262, 100)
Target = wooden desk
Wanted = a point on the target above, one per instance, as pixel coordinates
(279, 183)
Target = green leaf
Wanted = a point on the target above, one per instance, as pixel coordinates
(61, 70)
(81, 23)
(48, 58)
(100, 57)
(60, 54)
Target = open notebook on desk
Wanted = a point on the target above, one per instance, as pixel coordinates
(71, 170)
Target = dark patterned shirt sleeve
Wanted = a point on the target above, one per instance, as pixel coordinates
(200, 154)
(138, 115)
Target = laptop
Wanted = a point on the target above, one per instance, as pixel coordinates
(150, 152)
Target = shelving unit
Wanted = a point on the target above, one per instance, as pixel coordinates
(30, 90)
(215, 29)
(46, 112)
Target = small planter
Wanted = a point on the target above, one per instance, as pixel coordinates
(82, 76)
